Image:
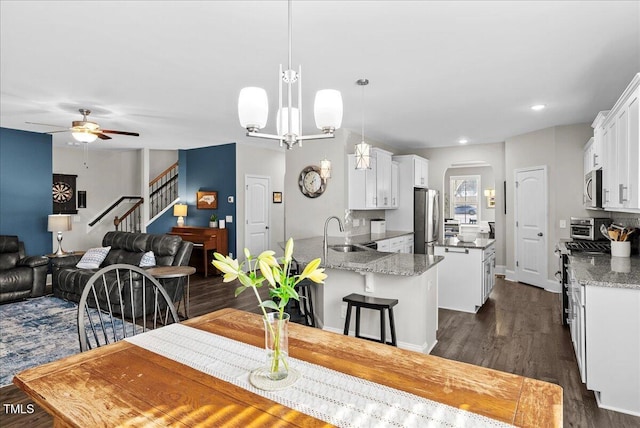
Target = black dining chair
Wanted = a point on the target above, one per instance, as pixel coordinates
(492, 229)
(120, 301)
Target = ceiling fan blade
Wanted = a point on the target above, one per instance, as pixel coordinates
(102, 136)
(46, 124)
(109, 131)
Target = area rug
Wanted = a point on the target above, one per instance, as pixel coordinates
(34, 332)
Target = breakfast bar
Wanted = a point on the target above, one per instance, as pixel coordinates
(410, 278)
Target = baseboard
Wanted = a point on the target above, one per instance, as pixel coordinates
(500, 269)
(510, 275)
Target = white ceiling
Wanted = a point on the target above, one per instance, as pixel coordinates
(172, 70)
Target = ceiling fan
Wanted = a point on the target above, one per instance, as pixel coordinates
(86, 131)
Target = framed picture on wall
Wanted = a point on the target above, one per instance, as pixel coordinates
(277, 197)
(207, 200)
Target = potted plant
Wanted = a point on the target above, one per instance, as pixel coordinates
(213, 220)
(281, 282)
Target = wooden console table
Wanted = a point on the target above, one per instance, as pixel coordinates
(205, 239)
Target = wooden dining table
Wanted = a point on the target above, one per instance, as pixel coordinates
(122, 384)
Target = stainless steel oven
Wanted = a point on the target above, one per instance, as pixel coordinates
(588, 228)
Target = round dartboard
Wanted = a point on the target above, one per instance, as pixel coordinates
(62, 192)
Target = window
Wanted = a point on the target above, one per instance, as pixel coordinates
(465, 200)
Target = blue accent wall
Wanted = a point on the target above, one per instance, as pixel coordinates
(207, 168)
(25, 188)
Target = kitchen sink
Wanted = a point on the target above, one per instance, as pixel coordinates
(347, 248)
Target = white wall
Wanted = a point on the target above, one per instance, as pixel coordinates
(107, 176)
(269, 161)
(160, 160)
(560, 148)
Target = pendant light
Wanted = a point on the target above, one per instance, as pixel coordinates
(253, 108)
(363, 149)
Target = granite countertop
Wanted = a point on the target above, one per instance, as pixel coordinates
(602, 270)
(479, 243)
(368, 260)
(370, 237)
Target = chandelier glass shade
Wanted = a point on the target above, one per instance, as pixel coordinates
(325, 169)
(253, 108)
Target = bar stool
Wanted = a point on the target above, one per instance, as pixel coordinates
(359, 301)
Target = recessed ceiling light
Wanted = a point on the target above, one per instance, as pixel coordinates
(463, 141)
(538, 107)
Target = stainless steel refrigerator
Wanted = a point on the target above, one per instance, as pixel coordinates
(426, 219)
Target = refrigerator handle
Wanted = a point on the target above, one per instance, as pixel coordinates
(436, 217)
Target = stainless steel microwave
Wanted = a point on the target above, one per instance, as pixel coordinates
(593, 189)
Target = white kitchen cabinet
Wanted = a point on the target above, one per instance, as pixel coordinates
(370, 188)
(399, 244)
(612, 356)
(420, 172)
(395, 200)
(383, 178)
(621, 138)
(465, 277)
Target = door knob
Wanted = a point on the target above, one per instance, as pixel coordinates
(539, 233)
(266, 227)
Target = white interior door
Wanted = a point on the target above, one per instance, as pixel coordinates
(531, 226)
(257, 235)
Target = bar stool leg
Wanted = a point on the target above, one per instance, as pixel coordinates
(383, 327)
(310, 314)
(392, 325)
(357, 321)
(347, 320)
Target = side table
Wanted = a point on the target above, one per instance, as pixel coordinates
(180, 272)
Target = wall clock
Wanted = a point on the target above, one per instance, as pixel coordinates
(310, 182)
(63, 192)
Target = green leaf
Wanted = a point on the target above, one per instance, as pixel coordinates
(270, 304)
(239, 290)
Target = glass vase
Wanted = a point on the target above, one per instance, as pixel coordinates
(276, 339)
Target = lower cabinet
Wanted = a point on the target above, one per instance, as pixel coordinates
(465, 277)
(399, 244)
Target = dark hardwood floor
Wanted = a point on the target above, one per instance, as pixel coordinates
(518, 330)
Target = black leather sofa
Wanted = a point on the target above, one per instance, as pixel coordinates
(128, 248)
(20, 276)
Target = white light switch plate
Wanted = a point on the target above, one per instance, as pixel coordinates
(229, 219)
(563, 224)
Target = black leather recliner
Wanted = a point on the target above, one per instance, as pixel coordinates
(20, 276)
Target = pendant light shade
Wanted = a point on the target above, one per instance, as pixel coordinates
(327, 109)
(363, 155)
(253, 108)
(283, 125)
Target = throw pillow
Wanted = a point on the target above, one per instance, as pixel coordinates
(148, 259)
(93, 258)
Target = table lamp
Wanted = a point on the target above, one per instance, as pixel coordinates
(180, 211)
(59, 223)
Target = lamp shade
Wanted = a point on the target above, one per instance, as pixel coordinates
(363, 155)
(59, 223)
(253, 108)
(84, 136)
(327, 109)
(179, 210)
(295, 120)
(325, 169)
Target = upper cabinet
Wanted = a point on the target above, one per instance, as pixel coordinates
(371, 188)
(420, 172)
(620, 138)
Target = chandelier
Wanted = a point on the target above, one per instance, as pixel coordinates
(253, 108)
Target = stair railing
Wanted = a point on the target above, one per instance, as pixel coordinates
(130, 221)
(163, 190)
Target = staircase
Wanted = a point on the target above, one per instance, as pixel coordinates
(128, 210)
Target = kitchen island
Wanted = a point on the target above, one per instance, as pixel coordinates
(604, 319)
(410, 278)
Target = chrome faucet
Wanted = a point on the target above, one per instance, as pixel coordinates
(325, 245)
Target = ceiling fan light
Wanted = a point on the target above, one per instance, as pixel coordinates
(283, 126)
(327, 110)
(253, 108)
(84, 136)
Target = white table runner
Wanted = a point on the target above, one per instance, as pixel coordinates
(334, 397)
